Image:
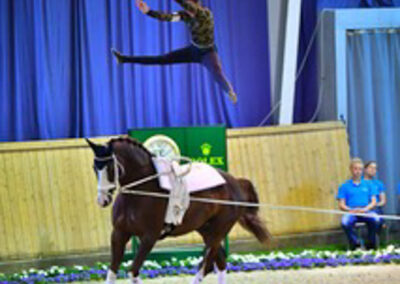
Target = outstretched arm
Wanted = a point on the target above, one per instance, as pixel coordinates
(145, 9)
(189, 6)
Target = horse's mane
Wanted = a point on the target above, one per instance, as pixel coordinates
(130, 141)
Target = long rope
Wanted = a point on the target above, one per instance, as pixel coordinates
(124, 190)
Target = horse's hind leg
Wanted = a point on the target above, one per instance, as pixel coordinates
(220, 265)
(213, 234)
(205, 266)
(118, 242)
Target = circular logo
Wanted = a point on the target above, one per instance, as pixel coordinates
(162, 146)
(206, 149)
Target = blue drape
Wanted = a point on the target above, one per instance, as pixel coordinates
(374, 102)
(58, 79)
(307, 85)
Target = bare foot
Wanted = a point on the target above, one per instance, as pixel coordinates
(233, 97)
(117, 55)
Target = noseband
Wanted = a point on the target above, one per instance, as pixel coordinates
(117, 166)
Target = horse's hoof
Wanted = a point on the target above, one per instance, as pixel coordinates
(221, 277)
(197, 279)
(111, 277)
(134, 280)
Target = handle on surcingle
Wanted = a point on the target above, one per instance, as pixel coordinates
(185, 159)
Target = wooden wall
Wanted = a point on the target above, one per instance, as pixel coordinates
(298, 165)
(48, 189)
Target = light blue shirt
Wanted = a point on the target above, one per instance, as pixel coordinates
(356, 195)
(378, 186)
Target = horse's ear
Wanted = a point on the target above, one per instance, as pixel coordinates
(91, 144)
(110, 147)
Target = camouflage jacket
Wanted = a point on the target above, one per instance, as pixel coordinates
(200, 21)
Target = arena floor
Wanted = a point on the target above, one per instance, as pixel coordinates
(383, 274)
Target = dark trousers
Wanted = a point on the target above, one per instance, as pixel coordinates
(190, 54)
(348, 223)
(381, 221)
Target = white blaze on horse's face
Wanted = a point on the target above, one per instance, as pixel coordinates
(103, 160)
(104, 188)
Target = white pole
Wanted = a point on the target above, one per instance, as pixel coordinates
(288, 82)
(276, 29)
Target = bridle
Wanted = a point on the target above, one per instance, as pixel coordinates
(117, 166)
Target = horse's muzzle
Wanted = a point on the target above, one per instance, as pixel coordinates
(104, 200)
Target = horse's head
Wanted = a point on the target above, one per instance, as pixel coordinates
(104, 165)
(121, 159)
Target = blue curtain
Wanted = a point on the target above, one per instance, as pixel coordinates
(374, 102)
(307, 85)
(58, 79)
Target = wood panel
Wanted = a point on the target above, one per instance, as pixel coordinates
(298, 165)
(48, 189)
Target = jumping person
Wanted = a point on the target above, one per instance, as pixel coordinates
(202, 49)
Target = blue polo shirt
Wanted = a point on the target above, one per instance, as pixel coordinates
(356, 195)
(378, 186)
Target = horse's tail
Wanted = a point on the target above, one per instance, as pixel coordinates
(250, 220)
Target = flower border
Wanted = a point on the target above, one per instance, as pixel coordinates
(308, 259)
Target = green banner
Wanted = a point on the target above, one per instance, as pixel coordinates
(203, 144)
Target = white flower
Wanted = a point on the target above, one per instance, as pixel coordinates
(127, 263)
(42, 272)
(152, 264)
(193, 261)
(391, 248)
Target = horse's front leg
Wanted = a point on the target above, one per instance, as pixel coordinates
(118, 243)
(146, 245)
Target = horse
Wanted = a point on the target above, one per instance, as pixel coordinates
(124, 160)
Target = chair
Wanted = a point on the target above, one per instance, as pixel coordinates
(382, 238)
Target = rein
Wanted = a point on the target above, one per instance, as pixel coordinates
(125, 188)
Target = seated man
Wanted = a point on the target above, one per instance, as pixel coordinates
(358, 196)
(370, 170)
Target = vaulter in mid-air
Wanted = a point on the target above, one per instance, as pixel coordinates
(202, 49)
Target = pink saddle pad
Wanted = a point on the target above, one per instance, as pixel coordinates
(201, 176)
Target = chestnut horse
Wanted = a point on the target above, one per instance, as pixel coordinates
(123, 161)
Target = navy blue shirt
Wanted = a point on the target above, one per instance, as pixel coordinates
(356, 195)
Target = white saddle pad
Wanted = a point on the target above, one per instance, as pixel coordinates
(201, 176)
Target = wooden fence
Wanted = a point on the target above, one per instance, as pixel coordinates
(48, 189)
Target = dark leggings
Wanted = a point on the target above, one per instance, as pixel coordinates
(190, 54)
